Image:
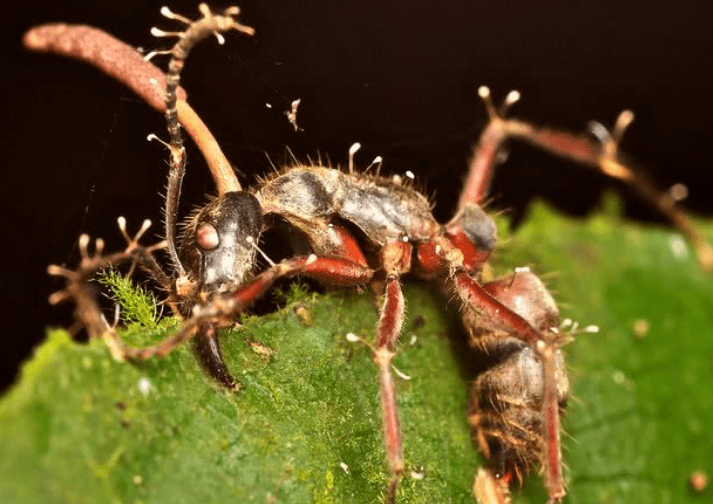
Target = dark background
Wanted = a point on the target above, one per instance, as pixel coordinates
(399, 77)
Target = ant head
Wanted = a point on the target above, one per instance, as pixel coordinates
(474, 233)
(219, 242)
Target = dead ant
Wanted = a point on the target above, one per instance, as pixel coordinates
(360, 228)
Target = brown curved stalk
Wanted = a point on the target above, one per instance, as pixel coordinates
(126, 65)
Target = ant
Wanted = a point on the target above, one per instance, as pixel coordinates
(361, 229)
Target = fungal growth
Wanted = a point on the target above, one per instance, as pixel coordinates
(360, 229)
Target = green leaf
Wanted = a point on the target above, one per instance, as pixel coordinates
(306, 427)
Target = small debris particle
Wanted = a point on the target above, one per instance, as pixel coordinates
(352, 337)
(618, 377)
(641, 328)
(144, 386)
(678, 247)
(292, 114)
(418, 322)
(344, 467)
(261, 349)
(121, 406)
(418, 473)
(698, 481)
(137, 480)
(303, 314)
(413, 340)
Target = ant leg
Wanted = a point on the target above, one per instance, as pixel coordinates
(520, 307)
(223, 308)
(485, 153)
(396, 258)
(602, 156)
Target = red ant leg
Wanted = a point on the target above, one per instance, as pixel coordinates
(330, 270)
(396, 259)
(483, 301)
(601, 155)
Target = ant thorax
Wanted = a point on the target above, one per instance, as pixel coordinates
(381, 208)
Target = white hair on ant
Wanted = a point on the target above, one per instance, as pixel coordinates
(251, 241)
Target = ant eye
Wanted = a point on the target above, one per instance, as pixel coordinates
(207, 237)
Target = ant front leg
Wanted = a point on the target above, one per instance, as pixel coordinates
(79, 288)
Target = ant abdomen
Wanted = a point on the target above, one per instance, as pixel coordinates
(506, 401)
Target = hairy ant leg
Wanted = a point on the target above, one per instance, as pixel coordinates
(78, 288)
(516, 403)
(602, 155)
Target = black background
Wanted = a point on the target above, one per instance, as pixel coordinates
(399, 77)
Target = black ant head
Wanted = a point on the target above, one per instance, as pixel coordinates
(219, 244)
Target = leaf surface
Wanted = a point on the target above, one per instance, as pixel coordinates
(80, 427)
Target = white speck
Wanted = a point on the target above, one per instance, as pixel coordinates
(540, 345)
(678, 246)
(249, 239)
(400, 374)
(311, 259)
(522, 269)
(566, 323)
(377, 159)
(344, 467)
(144, 386)
(137, 480)
(289, 445)
(417, 475)
(153, 81)
(413, 340)
(555, 330)
(292, 114)
(405, 239)
(352, 337)
(483, 91)
(354, 148)
(410, 174)
(618, 377)
(438, 249)
(591, 329)
(268, 105)
(396, 179)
